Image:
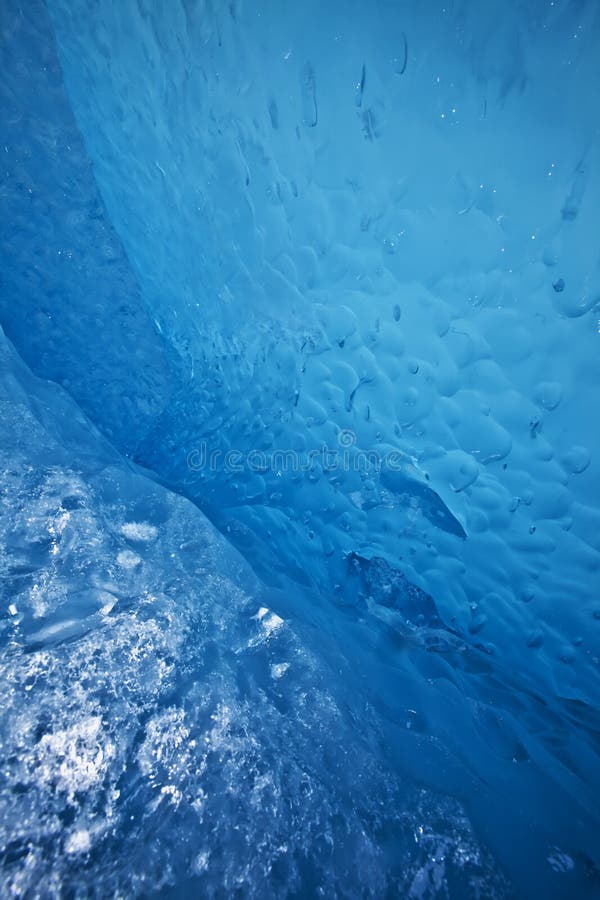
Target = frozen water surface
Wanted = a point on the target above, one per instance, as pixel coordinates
(300, 557)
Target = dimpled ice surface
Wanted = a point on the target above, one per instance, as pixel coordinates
(300, 429)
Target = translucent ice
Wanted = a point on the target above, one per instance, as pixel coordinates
(329, 274)
(150, 740)
(401, 289)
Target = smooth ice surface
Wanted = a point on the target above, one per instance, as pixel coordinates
(247, 239)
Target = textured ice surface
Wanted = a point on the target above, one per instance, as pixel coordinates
(161, 728)
(266, 228)
(381, 222)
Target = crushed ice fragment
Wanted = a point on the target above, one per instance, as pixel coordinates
(139, 531)
(278, 670)
(272, 623)
(78, 842)
(127, 559)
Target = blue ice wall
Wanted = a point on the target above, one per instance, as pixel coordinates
(293, 233)
(66, 281)
(382, 222)
(163, 731)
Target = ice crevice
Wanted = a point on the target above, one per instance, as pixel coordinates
(301, 507)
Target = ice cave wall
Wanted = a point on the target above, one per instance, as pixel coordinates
(382, 221)
(271, 228)
(68, 298)
(311, 226)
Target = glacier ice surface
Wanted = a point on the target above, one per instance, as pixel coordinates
(238, 239)
(161, 728)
